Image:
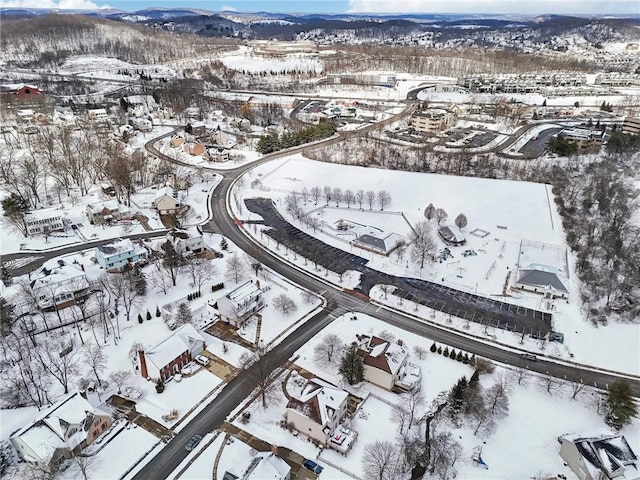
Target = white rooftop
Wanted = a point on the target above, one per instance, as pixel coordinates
(182, 339)
(43, 214)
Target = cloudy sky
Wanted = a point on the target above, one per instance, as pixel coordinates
(356, 6)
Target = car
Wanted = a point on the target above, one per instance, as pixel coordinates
(193, 442)
(528, 356)
(313, 466)
(202, 360)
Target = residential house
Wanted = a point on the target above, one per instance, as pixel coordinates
(186, 241)
(138, 105)
(267, 465)
(167, 358)
(177, 141)
(166, 201)
(117, 256)
(97, 115)
(432, 120)
(141, 124)
(106, 212)
(537, 279)
(599, 457)
(241, 303)
(194, 148)
(60, 431)
(44, 221)
(386, 363)
(317, 412)
(26, 115)
(196, 128)
(57, 285)
(63, 116)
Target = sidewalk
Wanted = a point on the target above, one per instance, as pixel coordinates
(128, 407)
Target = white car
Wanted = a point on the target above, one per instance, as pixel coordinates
(202, 360)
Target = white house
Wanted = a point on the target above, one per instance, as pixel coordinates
(166, 201)
(56, 433)
(239, 304)
(97, 114)
(116, 256)
(59, 285)
(105, 212)
(599, 457)
(385, 363)
(186, 240)
(317, 412)
(169, 356)
(63, 116)
(44, 221)
(267, 466)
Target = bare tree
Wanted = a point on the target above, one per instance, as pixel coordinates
(160, 278)
(284, 304)
(520, 375)
(482, 422)
(380, 460)
(120, 378)
(370, 197)
(235, 268)
(305, 194)
(550, 384)
(423, 245)
(577, 389)
(497, 398)
(384, 198)
(360, 198)
(172, 261)
(330, 348)
(308, 297)
(60, 360)
(261, 374)
(420, 352)
(123, 286)
(82, 464)
(441, 215)
(461, 221)
(336, 195)
(400, 416)
(413, 399)
(348, 197)
(327, 191)
(96, 359)
(316, 193)
(201, 270)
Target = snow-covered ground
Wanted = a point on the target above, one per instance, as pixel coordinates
(523, 445)
(509, 211)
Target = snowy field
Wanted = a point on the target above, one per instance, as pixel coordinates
(508, 210)
(508, 452)
(255, 63)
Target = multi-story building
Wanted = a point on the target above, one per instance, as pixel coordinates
(631, 125)
(105, 212)
(58, 286)
(584, 139)
(432, 119)
(117, 256)
(240, 304)
(43, 221)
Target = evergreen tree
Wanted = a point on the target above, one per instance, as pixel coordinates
(183, 315)
(457, 395)
(452, 354)
(172, 261)
(148, 315)
(140, 318)
(459, 357)
(158, 314)
(138, 281)
(434, 348)
(621, 406)
(440, 350)
(351, 366)
(446, 351)
(475, 378)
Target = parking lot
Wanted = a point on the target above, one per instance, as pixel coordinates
(483, 310)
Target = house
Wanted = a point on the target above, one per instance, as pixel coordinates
(318, 411)
(138, 105)
(194, 148)
(599, 457)
(63, 116)
(44, 221)
(26, 115)
(97, 115)
(177, 141)
(169, 356)
(186, 241)
(141, 124)
(267, 466)
(63, 430)
(385, 363)
(539, 280)
(57, 285)
(241, 303)
(116, 256)
(106, 212)
(166, 201)
(451, 235)
(196, 128)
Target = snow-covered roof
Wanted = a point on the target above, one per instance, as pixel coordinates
(62, 273)
(43, 214)
(165, 192)
(322, 400)
(140, 100)
(243, 294)
(43, 441)
(541, 279)
(370, 240)
(121, 246)
(181, 340)
(267, 466)
(604, 452)
(112, 205)
(451, 234)
(383, 355)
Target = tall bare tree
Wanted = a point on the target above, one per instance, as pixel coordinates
(384, 198)
(380, 460)
(329, 349)
(262, 374)
(423, 245)
(235, 268)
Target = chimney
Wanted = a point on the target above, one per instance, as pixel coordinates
(274, 449)
(143, 364)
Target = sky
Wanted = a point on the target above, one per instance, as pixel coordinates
(354, 6)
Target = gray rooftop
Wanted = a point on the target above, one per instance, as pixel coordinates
(539, 278)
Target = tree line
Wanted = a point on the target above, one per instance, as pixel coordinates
(273, 142)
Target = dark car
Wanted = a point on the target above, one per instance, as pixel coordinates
(313, 466)
(528, 356)
(193, 442)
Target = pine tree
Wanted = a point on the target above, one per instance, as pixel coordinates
(434, 348)
(351, 366)
(475, 378)
(457, 396)
(158, 314)
(446, 351)
(140, 318)
(459, 357)
(452, 354)
(183, 315)
(148, 315)
(621, 406)
(440, 350)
